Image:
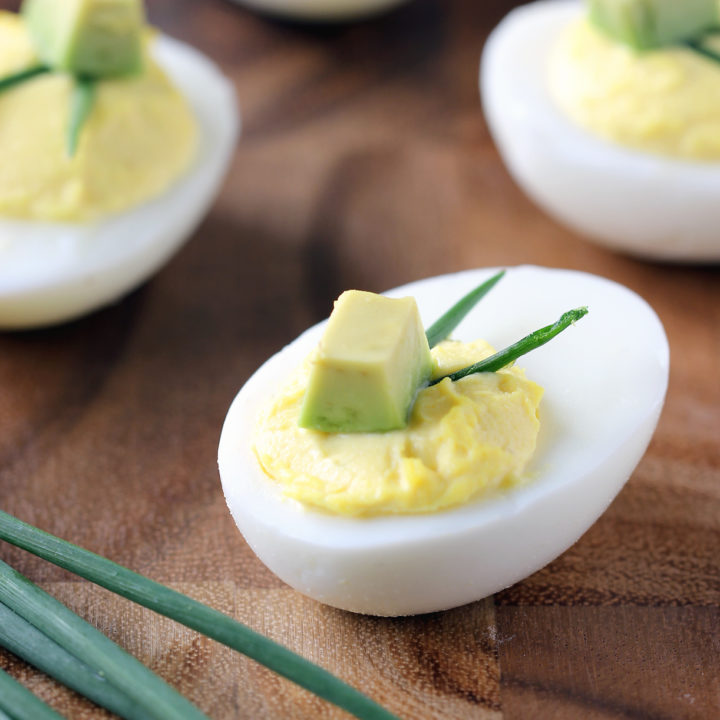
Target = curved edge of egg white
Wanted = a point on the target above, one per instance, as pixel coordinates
(54, 272)
(405, 565)
(650, 206)
(321, 10)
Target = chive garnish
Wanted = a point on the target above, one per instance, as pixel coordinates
(191, 613)
(81, 104)
(521, 347)
(442, 327)
(84, 641)
(18, 700)
(699, 47)
(27, 642)
(21, 76)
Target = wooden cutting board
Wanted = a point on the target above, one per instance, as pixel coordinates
(364, 162)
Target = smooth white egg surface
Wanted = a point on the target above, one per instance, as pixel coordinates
(652, 206)
(51, 272)
(319, 10)
(605, 381)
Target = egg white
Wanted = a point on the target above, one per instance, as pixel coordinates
(605, 381)
(648, 205)
(320, 10)
(52, 272)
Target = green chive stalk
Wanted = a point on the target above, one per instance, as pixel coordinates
(18, 703)
(191, 613)
(521, 347)
(27, 642)
(84, 641)
(81, 105)
(442, 327)
(81, 101)
(700, 48)
(21, 76)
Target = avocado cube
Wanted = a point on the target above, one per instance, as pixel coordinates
(647, 24)
(368, 367)
(92, 38)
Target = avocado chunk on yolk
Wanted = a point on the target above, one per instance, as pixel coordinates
(368, 367)
(646, 24)
(92, 38)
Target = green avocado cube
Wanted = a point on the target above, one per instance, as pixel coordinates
(92, 38)
(647, 24)
(368, 367)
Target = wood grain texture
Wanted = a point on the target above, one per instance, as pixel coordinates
(365, 161)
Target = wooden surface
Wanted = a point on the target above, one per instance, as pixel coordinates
(364, 162)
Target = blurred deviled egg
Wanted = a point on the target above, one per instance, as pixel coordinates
(607, 113)
(114, 141)
(490, 476)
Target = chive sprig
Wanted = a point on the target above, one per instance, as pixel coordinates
(511, 353)
(81, 104)
(84, 641)
(698, 45)
(81, 101)
(27, 642)
(21, 76)
(442, 327)
(18, 700)
(185, 610)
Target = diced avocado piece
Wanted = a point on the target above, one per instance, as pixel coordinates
(93, 38)
(368, 367)
(647, 24)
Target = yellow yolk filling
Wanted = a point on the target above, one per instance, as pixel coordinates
(463, 439)
(139, 138)
(665, 102)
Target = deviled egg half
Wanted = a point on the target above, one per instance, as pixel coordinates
(604, 383)
(78, 231)
(621, 144)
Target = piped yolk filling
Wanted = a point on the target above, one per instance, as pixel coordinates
(139, 139)
(464, 439)
(664, 101)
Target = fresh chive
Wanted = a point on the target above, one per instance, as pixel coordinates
(20, 704)
(441, 328)
(27, 642)
(699, 47)
(84, 641)
(191, 613)
(20, 77)
(521, 347)
(81, 104)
